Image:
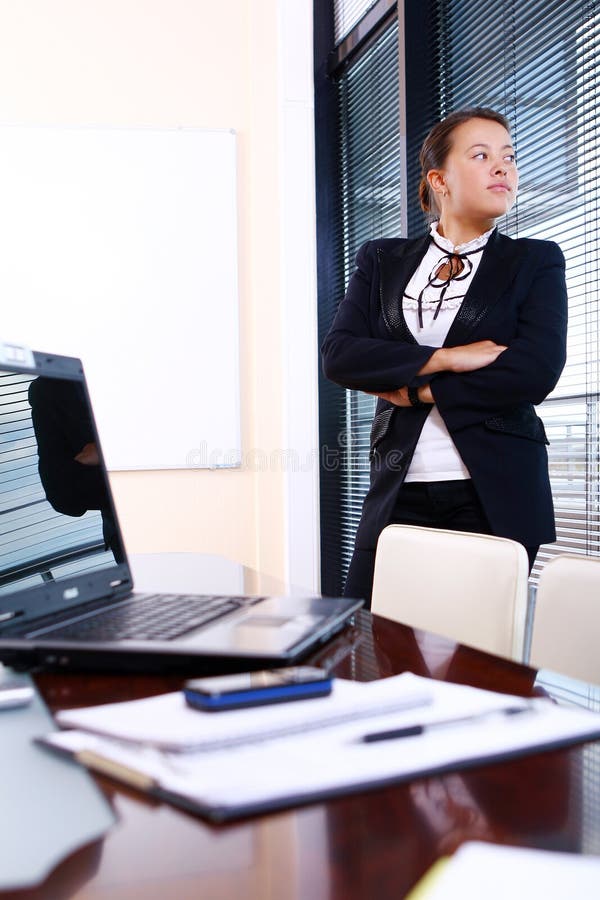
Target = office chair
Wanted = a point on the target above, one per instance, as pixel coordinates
(471, 588)
(566, 624)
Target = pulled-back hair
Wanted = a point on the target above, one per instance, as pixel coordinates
(438, 143)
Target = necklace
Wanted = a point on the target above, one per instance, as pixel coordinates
(449, 267)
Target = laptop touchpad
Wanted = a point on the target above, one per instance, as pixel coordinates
(266, 621)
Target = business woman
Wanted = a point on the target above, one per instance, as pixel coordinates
(459, 334)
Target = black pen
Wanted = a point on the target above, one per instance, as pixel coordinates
(412, 730)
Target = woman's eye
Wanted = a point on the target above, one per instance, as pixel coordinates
(480, 155)
(511, 158)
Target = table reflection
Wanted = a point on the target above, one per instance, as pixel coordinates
(586, 783)
(377, 842)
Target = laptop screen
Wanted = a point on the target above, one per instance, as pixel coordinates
(57, 521)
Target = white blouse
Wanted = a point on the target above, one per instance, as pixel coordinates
(435, 457)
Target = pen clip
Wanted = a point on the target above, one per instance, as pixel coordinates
(425, 727)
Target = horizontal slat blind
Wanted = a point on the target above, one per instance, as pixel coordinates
(536, 61)
(347, 13)
(369, 115)
(369, 188)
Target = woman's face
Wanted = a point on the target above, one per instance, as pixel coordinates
(479, 176)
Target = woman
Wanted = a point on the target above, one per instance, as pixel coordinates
(459, 334)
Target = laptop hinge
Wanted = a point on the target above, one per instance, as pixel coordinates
(10, 614)
(16, 354)
(120, 586)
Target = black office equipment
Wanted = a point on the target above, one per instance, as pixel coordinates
(66, 590)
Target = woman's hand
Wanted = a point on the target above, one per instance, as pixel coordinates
(399, 397)
(88, 455)
(469, 357)
(466, 358)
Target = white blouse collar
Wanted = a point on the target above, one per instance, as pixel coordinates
(447, 244)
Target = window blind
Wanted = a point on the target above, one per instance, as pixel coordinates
(536, 61)
(347, 13)
(368, 189)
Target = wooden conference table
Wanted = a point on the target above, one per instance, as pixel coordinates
(373, 844)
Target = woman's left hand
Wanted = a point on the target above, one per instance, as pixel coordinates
(399, 397)
(88, 455)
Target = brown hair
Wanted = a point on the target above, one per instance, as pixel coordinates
(438, 143)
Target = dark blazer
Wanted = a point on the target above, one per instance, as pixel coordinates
(517, 298)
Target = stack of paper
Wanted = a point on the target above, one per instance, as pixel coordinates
(251, 760)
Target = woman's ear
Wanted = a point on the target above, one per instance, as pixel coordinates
(437, 183)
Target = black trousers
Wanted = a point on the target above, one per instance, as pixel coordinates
(432, 504)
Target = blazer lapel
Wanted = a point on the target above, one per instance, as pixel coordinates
(395, 270)
(494, 275)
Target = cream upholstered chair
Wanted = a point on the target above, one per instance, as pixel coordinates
(471, 588)
(566, 624)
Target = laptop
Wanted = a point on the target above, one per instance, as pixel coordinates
(66, 590)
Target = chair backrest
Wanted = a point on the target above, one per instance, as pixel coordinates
(471, 588)
(566, 624)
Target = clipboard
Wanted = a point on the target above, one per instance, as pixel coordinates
(290, 770)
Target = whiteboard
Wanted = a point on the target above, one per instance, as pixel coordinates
(119, 245)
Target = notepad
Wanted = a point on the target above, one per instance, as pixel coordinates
(168, 723)
(243, 776)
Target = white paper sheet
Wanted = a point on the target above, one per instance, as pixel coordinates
(515, 873)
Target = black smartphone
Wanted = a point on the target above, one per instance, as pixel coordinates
(223, 692)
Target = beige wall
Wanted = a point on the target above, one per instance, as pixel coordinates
(195, 63)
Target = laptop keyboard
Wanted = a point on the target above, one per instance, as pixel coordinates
(152, 617)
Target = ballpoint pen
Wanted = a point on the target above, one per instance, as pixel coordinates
(413, 730)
